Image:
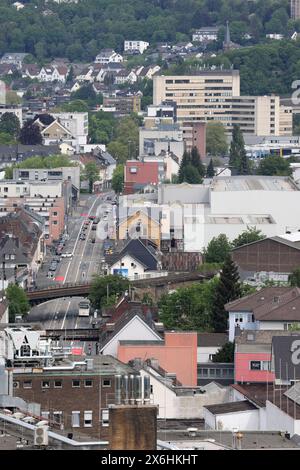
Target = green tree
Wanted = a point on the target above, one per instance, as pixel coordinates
(252, 234)
(218, 249)
(216, 140)
(76, 106)
(17, 301)
(188, 172)
(117, 182)
(197, 162)
(274, 166)
(91, 173)
(104, 287)
(238, 158)
(294, 278)
(30, 134)
(6, 139)
(225, 354)
(228, 289)
(210, 171)
(189, 307)
(10, 124)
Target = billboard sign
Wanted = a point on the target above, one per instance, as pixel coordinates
(286, 357)
(120, 272)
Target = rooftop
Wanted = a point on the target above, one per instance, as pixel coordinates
(231, 407)
(212, 339)
(254, 183)
(270, 304)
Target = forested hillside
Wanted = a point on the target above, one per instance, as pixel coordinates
(78, 31)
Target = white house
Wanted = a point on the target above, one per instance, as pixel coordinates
(209, 344)
(207, 34)
(271, 308)
(130, 327)
(139, 46)
(242, 415)
(108, 55)
(48, 73)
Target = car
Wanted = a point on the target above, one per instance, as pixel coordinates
(87, 222)
(52, 267)
(56, 259)
(96, 220)
(94, 227)
(93, 240)
(105, 217)
(66, 255)
(82, 236)
(92, 217)
(50, 275)
(108, 198)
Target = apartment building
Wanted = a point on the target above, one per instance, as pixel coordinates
(123, 105)
(77, 125)
(295, 9)
(215, 96)
(136, 46)
(50, 200)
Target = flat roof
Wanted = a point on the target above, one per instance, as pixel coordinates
(254, 183)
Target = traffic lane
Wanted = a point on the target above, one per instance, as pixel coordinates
(59, 314)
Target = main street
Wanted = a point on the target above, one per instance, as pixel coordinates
(86, 256)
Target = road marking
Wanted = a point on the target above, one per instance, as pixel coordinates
(62, 325)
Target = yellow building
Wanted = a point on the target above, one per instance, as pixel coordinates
(139, 224)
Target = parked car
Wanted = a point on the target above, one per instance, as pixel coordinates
(66, 255)
(108, 198)
(92, 217)
(94, 227)
(82, 236)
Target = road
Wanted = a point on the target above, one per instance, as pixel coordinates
(86, 259)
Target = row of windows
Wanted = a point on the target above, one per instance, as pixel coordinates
(57, 417)
(225, 373)
(59, 383)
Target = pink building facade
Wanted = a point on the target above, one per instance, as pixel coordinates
(253, 368)
(177, 355)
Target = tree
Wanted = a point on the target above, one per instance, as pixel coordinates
(252, 234)
(216, 140)
(238, 157)
(189, 173)
(85, 93)
(189, 307)
(76, 106)
(274, 166)
(294, 278)
(10, 124)
(117, 182)
(17, 301)
(91, 173)
(228, 289)
(45, 119)
(6, 139)
(104, 287)
(197, 162)
(225, 354)
(30, 134)
(217, 250)
(210, 171)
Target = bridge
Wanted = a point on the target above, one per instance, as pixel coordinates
(156, 285)
(78, 334)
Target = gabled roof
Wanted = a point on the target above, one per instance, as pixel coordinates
(137, 250)
(127, 318)
(270, 304)
(58, 124)
(277, 239)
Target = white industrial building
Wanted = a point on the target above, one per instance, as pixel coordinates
(194, 214)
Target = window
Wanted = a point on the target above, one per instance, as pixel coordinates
(106, 383)
(45, 384)
(88, 419)
(255, 365)
(88, 383)
(57, 384)
(57, 417)
(133, 169)
(105, 417)
(75, 419)
(76, 383)
(27, 384)
(45, 414)
(265, 365)
(54, 213)
(54, 222)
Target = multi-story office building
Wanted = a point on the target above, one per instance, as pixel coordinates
(215, 96)
(295, 9)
